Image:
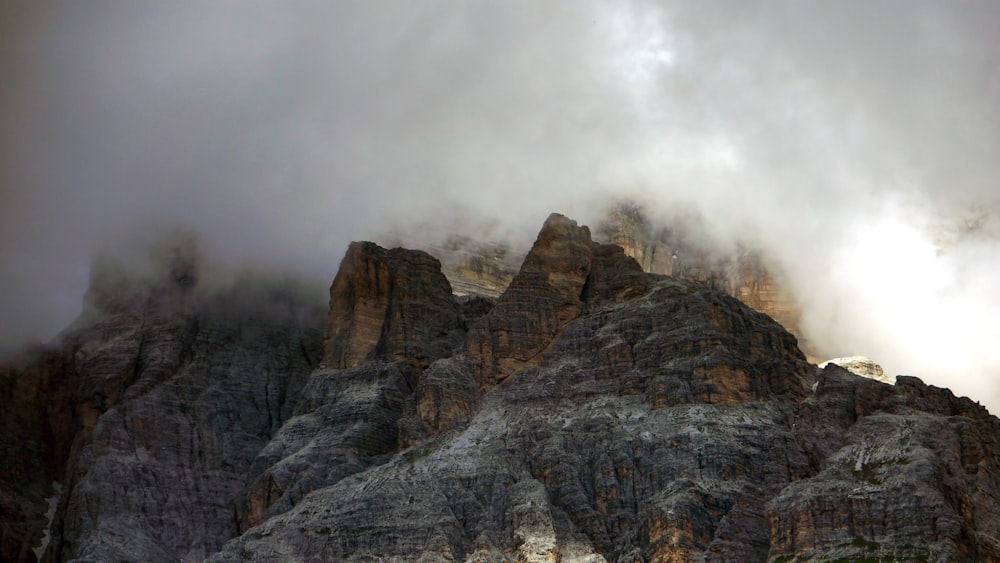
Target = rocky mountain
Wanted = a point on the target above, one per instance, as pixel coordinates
(474, 267)
(682, 250)
(592, 412)
(141, 422)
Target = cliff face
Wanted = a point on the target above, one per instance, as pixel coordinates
(476, 268)
(389, 304)
(144, 419)
(682, 251)
(594, 413)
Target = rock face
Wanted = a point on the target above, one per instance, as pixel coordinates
(476, 268)
(389, 304)
(595, 413)
(541, 299)
(682, 251)
(911, 475)
(860, 365)
(148, 414)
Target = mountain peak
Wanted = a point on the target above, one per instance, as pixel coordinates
(592, 411)
(389, 304)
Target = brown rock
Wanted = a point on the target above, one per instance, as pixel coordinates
(447, 395)
(573, 457)
(541, 299)
(390, 304)
(645, 418)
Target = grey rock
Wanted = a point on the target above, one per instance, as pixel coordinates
(153, 407)
(594, 413)
(860, 365)
(390, 304)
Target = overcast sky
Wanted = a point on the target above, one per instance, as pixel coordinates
(858, 142)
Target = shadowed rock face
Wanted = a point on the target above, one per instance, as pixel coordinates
(908, 472)
(595, 413)
(149, 413)
(389, 304)
(541, 299)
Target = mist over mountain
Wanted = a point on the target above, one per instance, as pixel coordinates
(853, 142)
(591, 412)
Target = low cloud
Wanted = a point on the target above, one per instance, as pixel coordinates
(856, 142)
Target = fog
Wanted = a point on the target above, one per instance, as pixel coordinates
(856, 142)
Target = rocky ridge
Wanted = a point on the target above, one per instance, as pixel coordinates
(594, 412)
(681, 250)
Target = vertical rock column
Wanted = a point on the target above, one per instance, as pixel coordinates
(390, 304)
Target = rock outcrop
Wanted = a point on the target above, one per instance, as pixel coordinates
(389, 304)
(541, 299)
(142, 420)
(594, 413)
(684, 250)
(908, 473)
(860, 365)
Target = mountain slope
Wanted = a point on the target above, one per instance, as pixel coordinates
(593, 412)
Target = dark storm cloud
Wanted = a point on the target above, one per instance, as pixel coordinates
(856, 141)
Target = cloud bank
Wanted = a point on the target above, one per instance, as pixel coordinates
(857, 142)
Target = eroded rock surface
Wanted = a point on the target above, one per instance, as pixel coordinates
(389, 304)
(685, 250)
(149, 412)
(908, 472)
(594, 412)
(541, 299)
(631, 438)
(860, 365)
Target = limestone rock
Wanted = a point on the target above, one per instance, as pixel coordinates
(541, 299)
(476, 268)
(447, 395)
(596, 413)
(390, 304)
(660, 420)
(344, 420)
(683, 249)
(590, 453)
(912, 477)
(149, 412)
(860, 365)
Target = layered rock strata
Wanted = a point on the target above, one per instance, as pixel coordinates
(389, 304)
(685, 250)
(541, 299)
(908, 473)
(142, 421)
(595, 413)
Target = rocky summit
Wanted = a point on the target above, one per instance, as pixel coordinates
(591, 412)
